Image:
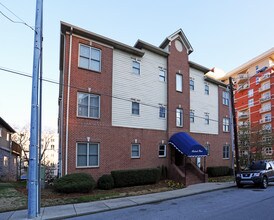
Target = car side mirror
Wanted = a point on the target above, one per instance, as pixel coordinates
(269, 168)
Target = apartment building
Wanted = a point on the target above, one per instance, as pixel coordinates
(128, 107)
(254, 93)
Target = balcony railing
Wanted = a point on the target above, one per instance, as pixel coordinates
(243, 115)
(265, 109)
(265, 120)
(243, 87)
(242, 78)
(264, 77)
(243, 124)
(263, 88)
(264, 99)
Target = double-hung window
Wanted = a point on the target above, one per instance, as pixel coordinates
(90, 58)
(162, 112)
(87, 155)
(225, 98)
(226, 151)
(206, 89)
(179, 82)
(162, 150)
(136, 67)
(88, 105)
(226, 124)
(162, 75)
(135, 151)
(135, 109)
(191, 84)
(191, 116)
(179, 117)
(206, 118)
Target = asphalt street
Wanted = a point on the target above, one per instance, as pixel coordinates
(233, 203)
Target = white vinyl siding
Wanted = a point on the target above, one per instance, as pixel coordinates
(202, 104)
(145, 87)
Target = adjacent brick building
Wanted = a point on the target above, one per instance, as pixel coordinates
(119, 105)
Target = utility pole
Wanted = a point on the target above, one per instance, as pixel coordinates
(234, 125)
(34, 157)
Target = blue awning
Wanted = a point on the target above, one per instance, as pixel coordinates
(185, 144)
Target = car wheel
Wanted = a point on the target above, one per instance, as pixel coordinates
(239, 185)
(264, 183)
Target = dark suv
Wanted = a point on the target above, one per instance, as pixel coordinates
(259, 173)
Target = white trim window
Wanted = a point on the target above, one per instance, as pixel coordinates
(191, 116)
(179, 82)
(136, 67)
(268, 151)
(179, 117)
(225, 98)
(206, 89)
(88, 105)
(162, 75)
(226, 151)
(162, 112)
(89, 58)
(250, 93)
(250, 102)
(87, 155)
(191, 84)
(5, 161)
(135, 108)
(162, 150)
(135, 151)
(206, 118)
(226, 127)
(0, 132)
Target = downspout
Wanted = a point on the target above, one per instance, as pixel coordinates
(68, 95)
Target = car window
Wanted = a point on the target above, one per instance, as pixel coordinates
(258, 166)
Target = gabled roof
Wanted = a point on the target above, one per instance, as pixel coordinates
(144, 45)
(183, 38)
(6, 125)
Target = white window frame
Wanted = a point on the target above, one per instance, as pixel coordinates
(191, 84)
(136, 67)
(89, 96)
(206, 89)
(226, 151)
(87, 154)
(226, 124)
(207, 118)
(133, 109)
(162, 112)
(90, 59)
(139, 152)
(179, 117)
(268, 151)
(225, 98)
(5, 161)
(162, 75)
(179, 82)
(250, 93)
(192, 116)
(250, 102)
(0, 132)
(162, 150)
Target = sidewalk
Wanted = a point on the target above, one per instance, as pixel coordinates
(72, 210)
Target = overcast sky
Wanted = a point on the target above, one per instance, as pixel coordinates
(223, 34)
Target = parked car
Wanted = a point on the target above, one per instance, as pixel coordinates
(259, 173)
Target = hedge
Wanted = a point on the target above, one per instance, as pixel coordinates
(105, 182)
(218, 171)
(124, 178)
(76, 182)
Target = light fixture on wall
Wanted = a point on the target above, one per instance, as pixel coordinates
(88, 139)
(89, 89)
(135, 141)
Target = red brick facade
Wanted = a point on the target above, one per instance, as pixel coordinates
(115, 142)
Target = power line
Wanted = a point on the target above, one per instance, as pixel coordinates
(103, 94)
(16, 22)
